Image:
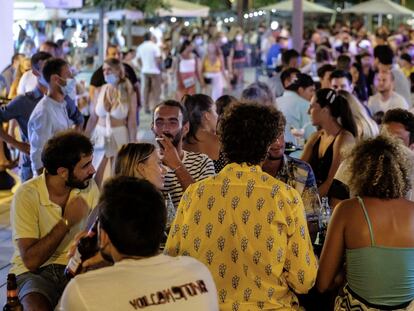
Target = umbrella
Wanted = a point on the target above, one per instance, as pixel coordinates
(308, 7)
(181, 8)
(379, 7)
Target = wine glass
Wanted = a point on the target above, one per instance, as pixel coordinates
(299, 136)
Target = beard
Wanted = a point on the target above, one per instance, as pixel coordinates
(175, 140)
(273, 158)
(74, 182)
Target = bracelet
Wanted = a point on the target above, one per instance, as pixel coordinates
(66, 222)
(177, 168)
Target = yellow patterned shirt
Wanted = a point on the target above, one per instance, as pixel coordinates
(250, 230)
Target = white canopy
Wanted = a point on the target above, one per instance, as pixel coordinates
(127, 14)
(181, 8)
(35, 11)
(308, 7)
(379, 7)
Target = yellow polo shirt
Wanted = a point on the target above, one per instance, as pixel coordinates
(250, 230)
(33, 215)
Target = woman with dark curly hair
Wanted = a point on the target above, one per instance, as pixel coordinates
(375, 230)
(331, 113)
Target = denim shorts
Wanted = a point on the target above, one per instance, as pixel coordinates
(49, 281)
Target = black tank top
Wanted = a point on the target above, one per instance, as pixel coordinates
(321, 166)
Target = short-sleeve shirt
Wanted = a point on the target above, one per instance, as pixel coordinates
(161, 283)
(148, 52)
(198, 165)
(376, 104)
(250, 230)
(97, 79)
(33, 216)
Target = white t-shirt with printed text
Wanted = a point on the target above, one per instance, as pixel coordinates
(158, 283)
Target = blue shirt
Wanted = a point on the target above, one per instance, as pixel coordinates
(299, 175)
(48, 118)
(295, 109)
(21, 107)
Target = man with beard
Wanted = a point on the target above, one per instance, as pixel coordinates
(386, 98)
(46, 214)
(170, 125)
(248, 228)
(294, 172)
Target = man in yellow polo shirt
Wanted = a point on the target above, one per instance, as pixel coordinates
(46, 214)
(248, 228)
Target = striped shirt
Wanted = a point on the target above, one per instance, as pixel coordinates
(199, 166)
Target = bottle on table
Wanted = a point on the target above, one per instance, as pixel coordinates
(13, 302)
(86, 248)
(324, 218)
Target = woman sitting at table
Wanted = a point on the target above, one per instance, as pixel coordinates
(375, 231)
(329, 112)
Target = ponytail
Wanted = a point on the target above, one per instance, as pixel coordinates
(338, 107)
(196, 106)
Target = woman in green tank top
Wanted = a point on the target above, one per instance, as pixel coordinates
(375, 232)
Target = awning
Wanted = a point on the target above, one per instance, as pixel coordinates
(181, 8)
(308, 7)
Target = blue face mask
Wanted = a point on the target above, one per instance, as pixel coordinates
(69, 89)
(43, 81)
(111, 79)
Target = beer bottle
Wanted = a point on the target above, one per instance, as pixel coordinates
(86, 248)
(13, 302)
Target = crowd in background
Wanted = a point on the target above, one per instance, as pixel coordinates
(239, 176)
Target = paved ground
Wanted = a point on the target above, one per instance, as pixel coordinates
(6, 247)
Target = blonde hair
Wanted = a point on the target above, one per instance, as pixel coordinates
(366, 126)
(124, 86)
(129, 156)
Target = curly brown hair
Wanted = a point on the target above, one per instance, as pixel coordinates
(380, 168)
(246, 131)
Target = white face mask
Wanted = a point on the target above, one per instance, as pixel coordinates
(199, 41)
(224, 40)
(70, 88)
(239, 38)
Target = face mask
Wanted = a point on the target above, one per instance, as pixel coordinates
(43, 82)
(70, 88)
(224, 40)
(199, 41)
(66, 50)
(239, 37)
(111, 79)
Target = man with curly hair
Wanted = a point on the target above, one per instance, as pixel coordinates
(248, 228)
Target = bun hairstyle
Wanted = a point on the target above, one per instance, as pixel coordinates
(338, 107)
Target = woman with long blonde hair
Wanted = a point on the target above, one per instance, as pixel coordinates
(113, 116)
(366, 126)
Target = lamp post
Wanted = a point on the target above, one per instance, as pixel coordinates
(297, 25)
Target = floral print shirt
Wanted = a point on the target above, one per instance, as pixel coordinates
(250, 230)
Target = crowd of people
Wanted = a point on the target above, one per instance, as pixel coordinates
(222, 210)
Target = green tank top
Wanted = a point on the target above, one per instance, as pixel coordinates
(382, 276)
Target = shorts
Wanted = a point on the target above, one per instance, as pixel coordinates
(50, 281)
